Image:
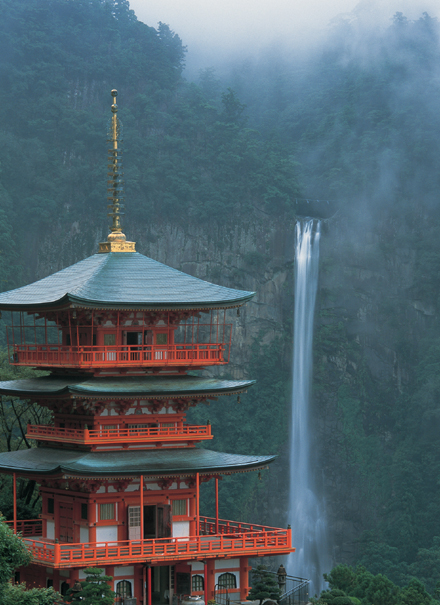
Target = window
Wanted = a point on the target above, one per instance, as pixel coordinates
(227, 580)
(162, 338)
(49, 583)
(50, 506)
(198, 583)
(179, 507)
(84, 511)
(106, 511)
(123, 589)
(109, 340)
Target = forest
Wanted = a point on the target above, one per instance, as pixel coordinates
(354, 123)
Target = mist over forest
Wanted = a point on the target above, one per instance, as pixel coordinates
(217, 171)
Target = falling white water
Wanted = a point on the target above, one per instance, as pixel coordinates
(306, 511)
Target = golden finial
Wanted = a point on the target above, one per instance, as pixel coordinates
(116, 240)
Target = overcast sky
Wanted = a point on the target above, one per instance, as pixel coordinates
(214, 29)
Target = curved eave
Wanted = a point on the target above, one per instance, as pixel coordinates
(69, 302)
(151, 463)
(146, 388)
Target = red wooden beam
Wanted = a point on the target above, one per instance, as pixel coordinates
(141, 487)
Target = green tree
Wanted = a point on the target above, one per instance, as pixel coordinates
(264, 585)
(18, 594)
(95, 589)
(13, 554)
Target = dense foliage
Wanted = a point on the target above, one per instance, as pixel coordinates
(264, 586)
(356, 122)
(360, 115)
(358, 586)
(94, 589)
(189, 149)
(13, 554)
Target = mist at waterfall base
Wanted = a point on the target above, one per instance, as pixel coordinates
(306, 509)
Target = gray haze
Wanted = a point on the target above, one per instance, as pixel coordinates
(218, 32)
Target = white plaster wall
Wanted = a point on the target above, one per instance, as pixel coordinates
(228, 564)
(50, 530)
(180, 529)
(128, 570)
(84, 534)
(107, 533)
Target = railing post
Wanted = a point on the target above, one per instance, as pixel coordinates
(197, 503)
(216, 505)
(14, 489)
(56, 553)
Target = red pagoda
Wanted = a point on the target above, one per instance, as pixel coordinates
(119, 471)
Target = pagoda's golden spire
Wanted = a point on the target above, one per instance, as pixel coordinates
(116, 241)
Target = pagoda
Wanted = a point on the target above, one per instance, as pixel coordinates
(119, 470)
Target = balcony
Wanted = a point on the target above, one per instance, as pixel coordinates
(118, 436)
(232, 540)
(100, 357)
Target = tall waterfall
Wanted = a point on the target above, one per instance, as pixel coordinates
(306, 511)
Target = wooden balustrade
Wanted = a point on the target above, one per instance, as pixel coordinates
(28, 527)
(257, 543)
(111, 356)
(118, 435)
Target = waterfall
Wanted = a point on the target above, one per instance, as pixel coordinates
(306, 511)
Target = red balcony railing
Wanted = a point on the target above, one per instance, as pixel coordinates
(258, 543)
(112, 356)
(28, 527)
(119, 435)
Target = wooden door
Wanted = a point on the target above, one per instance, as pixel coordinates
(163, 517)
(66, 532)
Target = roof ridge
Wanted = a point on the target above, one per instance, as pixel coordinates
(92, 275)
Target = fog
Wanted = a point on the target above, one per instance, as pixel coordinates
(218, 32)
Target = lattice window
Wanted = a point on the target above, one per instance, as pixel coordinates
(123, 589)
(227, 580)
(109, 340)
(107, 511)
(198, 583)
(179, 507)
(134, 516)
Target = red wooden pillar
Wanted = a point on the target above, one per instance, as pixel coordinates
(205, 581)
(92, 521)
(211, 579)
(144, 585)
(216, 505)
(197, 504)
(244, 578)
(141, 487)
(148, 585)
(14, 489)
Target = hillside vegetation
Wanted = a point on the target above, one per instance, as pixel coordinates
(356, 122)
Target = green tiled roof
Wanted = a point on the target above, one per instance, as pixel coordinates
(122, 280)
(172, 461)
(147, 387)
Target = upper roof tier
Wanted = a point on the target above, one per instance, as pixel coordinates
(121, 280)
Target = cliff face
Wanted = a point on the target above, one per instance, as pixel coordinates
(370, 318)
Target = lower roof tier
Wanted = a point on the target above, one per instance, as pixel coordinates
(170, 462)
(145, 387)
